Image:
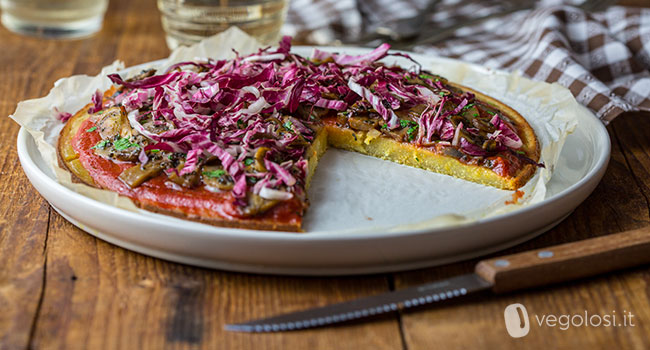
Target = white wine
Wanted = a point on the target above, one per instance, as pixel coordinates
(54, 18)
(188, 21)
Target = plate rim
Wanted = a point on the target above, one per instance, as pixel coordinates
(568, 198)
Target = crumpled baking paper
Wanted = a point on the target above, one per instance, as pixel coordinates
(350, 192)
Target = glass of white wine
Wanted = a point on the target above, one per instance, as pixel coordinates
(188, 21)
(58, 19)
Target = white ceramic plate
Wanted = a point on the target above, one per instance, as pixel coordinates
(581, 165)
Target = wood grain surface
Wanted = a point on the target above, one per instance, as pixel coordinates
(61, 288)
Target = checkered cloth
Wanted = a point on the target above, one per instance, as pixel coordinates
(602, 58)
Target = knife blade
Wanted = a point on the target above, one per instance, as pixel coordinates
(455, 287)
(504, 274)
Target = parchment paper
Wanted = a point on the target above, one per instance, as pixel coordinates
(351, 192)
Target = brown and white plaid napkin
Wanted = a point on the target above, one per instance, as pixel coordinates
(603, 58)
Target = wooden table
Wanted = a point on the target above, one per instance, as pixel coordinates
(62, 288)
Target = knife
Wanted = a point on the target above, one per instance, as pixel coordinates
(503, 274)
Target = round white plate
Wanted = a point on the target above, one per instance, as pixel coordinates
(582, 164)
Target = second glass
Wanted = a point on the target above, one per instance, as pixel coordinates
(188, 21)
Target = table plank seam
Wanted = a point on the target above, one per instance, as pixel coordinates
(637, 181)
(39, 305)
(390, 278)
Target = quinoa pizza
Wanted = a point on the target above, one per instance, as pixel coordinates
(235, 142)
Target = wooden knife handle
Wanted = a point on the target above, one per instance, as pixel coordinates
(567, 261)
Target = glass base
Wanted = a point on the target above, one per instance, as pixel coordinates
(67, 30)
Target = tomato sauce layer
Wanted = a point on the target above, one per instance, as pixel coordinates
(159, 193)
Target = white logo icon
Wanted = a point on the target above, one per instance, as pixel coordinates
(517, 323)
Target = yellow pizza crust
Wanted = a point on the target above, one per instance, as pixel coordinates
(67, 157)
(411, 155)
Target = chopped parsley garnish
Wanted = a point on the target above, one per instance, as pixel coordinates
(404, 123)
(124, 143)
(249, 161)
(475, 114)
(441, 93)
(417, 159)
(384, 127)
(411, 132)
(288, 125)
(101, 144)
(92, 129)
(155, 150)
(214, 173)
(520, 152)
(491, 113)
(469, 106)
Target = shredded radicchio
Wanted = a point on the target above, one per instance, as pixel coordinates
(62, 116)
(97, 102)
(230, 109)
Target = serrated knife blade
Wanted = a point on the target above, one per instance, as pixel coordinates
(440, 291)
(508, 273)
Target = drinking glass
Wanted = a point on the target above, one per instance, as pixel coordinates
(188, 21)
(58, 19)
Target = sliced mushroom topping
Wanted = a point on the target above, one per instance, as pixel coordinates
(306, 111)
(259, 159)
(319, 112)
(257, 205)
(456, 119)
(397, 134)
(187, 180)
(215, 176)
(298, 142)
(128, 155)
(274, 120)
(137, 174)
(154, 127)
(490, 145)
(143, 74)
(483, 126)
(413, 113)
(471, 112)
(120, 148)
(362, 123)
(113, 122)
(452, 152)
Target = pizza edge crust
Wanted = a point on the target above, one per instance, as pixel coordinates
(524, 131)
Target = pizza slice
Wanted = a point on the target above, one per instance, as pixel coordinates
(474, 137)
(235, 142)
